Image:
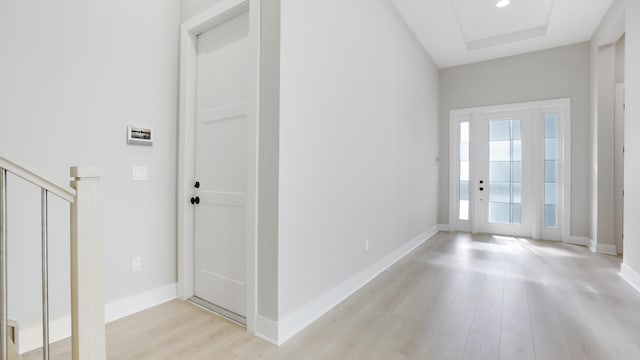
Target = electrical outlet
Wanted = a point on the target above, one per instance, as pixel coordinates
(366, 246)
(136, 264)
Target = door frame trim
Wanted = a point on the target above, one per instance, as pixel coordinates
(189, 32)
(470, 114)
(618, 168)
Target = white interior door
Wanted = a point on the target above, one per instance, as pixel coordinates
(221, 165)
(502, 165)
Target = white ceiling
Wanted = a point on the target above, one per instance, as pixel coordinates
(456, 32)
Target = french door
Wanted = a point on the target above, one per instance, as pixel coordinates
(509, 167)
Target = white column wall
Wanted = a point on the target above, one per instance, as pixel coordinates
(358, 137)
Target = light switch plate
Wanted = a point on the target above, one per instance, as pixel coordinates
(139, 173)
(136, 264)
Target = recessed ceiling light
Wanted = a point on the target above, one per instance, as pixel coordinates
(503, 3)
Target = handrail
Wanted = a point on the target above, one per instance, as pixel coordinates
(87, 307)
(62, 191)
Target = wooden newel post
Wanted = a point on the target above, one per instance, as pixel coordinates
(87, 266)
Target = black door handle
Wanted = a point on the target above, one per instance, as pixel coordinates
(195, 200)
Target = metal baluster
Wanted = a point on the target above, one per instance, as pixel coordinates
(3, 265)
(45, 274)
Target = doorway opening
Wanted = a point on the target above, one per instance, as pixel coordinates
(510, 170)
(217, 182)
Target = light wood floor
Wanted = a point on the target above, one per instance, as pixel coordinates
(456, 297)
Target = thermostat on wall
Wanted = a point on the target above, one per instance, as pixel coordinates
(139, 136)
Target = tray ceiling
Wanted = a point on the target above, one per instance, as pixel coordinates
(456, 32)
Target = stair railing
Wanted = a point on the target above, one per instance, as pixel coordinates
(87, 301)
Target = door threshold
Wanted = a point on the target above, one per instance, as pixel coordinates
(229, 315)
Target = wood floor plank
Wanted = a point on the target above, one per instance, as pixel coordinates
(460, 315)
(484, 338)
(446, 347)
(549, 341)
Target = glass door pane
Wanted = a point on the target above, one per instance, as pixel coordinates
(463, 206)
(551, 171)
(505, 172)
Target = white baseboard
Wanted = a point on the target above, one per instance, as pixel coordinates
(266, 329)
(298, 320)
(133, 304)
(31, 338)
(630, 276)
(444, 227)
(579, 240)
(605, 249)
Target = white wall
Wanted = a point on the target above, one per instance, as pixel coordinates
(358, 136)
(549, 74)
(620, 51)
(602, 76)
(74, 74)
(632, 144)
(602, 221)
(268, 164)
(190, 8)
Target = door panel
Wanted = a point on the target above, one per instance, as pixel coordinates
(220, 277)
(222, 150)
(499, 163)
(221, 165)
